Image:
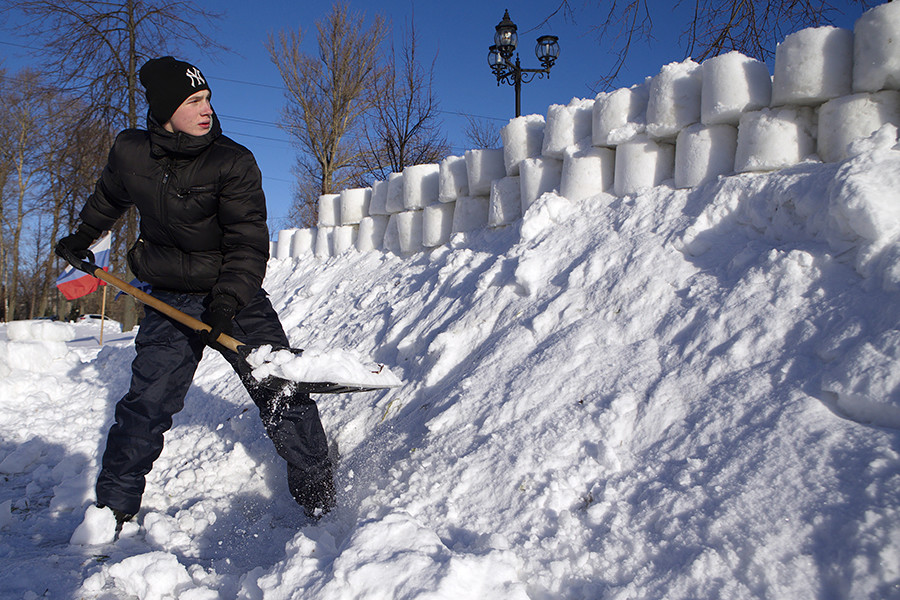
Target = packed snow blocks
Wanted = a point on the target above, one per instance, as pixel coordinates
(684, 127)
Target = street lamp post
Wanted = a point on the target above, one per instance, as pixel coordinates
(501, 53)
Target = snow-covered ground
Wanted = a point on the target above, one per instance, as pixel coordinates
(674, 394)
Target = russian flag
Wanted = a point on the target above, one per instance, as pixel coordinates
(74, 283)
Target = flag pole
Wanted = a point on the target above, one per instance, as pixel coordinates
(103, 313)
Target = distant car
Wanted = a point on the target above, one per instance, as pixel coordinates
(94, 318)
(91, 318)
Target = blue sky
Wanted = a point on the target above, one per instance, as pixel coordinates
(248, 96)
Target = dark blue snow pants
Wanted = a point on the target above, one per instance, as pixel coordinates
(167, 356)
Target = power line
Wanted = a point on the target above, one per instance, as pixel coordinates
(19, 46)
(276, 87)
(264, 85)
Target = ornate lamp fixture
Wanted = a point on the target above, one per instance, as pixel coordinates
(500, 56)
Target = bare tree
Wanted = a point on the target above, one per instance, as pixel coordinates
(326, 95)
(76, 154)
(94, 49)
(482, 133)
(26, 103)
(403, 125)
(712, 27)
(7, 135)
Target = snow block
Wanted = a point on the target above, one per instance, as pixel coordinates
(506, 202)
(454, 181)
(703, 152)
(344, 238)
(587, 172)
(437, 224)
(355, 205)
(733, 84)
(421, 185)
(303, 242)
(621, 115)
(674, 100)
(774, 139)
(813, 66)
(850, 118)
(483, 167)
(876, 49)
(329, 210)
(567, 125)
(642, 163)
(283, 245)
(470, 213)
(523, 137)
(391, 242)
(378, 202)
(394, 201)
(324, 242)
(536, 176)
(409, 231)
(371, 233)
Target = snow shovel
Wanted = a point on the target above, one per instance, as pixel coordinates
(226, 341)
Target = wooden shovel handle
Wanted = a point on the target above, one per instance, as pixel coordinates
(170, 311)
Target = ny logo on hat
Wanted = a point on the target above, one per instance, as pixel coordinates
(196, 77)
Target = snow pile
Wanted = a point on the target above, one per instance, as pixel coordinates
(663, 392)
(675, 394)
(40, 330)
(99, 527)
(319, 365)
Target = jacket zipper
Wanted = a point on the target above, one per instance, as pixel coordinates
(164, 185)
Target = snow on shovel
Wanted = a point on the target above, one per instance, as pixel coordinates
(328, 372)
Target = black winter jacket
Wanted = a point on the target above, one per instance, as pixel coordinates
(202, 210)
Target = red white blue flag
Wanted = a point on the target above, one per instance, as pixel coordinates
(74, 283)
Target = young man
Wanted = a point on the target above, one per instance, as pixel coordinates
(203, 247)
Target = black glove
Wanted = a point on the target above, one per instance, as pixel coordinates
(78, 243)
(219, 316)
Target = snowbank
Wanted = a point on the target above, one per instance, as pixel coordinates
(662, 392)
(707, 375)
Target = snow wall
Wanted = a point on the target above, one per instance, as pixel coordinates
(684, 127)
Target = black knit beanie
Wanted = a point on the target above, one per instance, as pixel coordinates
(169, 82)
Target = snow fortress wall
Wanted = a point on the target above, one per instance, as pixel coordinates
(689, 125)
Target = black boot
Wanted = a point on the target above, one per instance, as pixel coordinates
(313, 489)
(121, 517)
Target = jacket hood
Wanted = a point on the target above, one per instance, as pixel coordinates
(163, 142)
